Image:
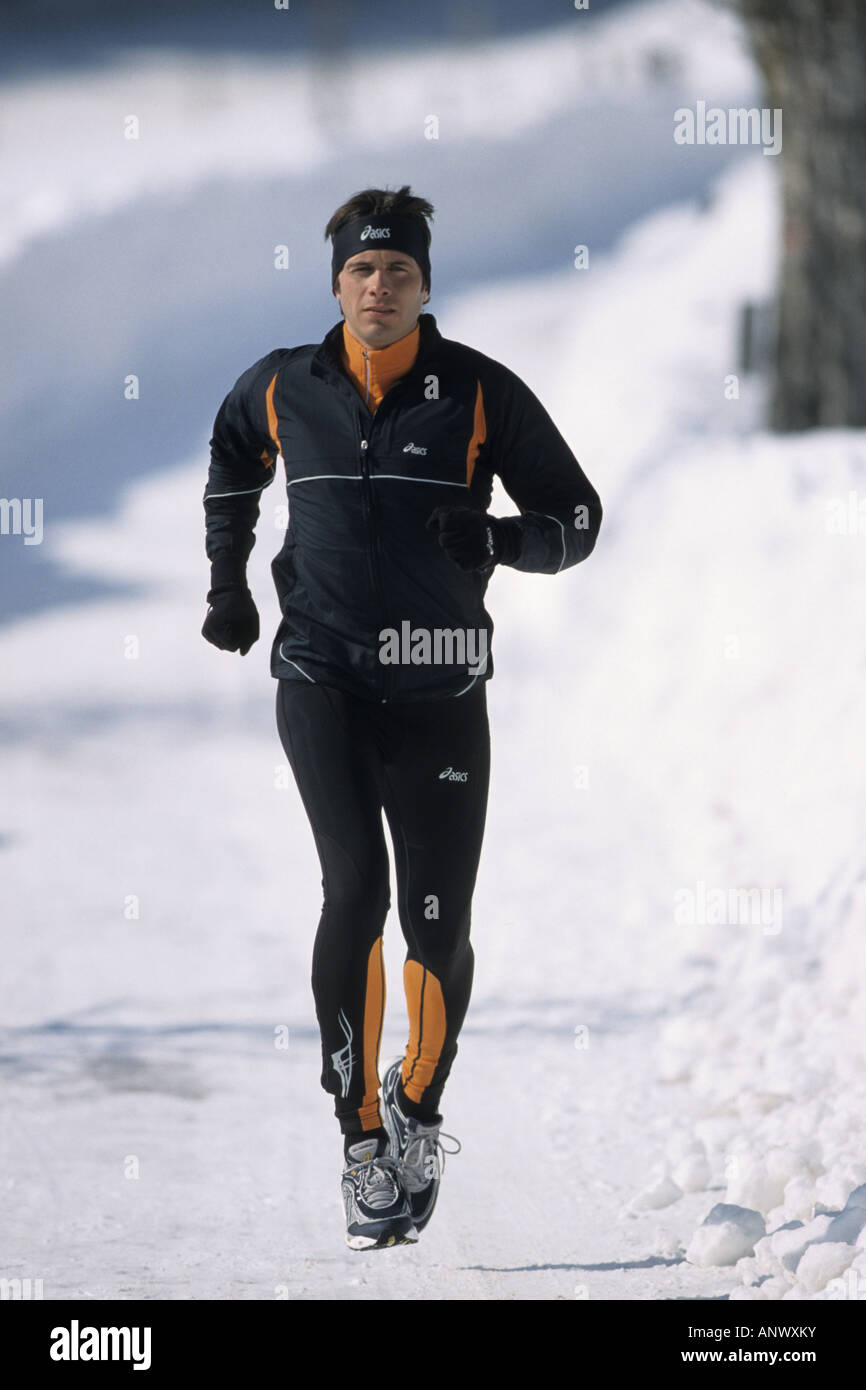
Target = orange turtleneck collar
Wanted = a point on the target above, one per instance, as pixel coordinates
(374, 370)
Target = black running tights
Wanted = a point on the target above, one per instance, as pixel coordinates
(427, 764)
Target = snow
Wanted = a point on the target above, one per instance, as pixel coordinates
(821, 1263)
(727, 1234)
(678, 716)
(661, 1191)
(693, 1173)
(72, 152)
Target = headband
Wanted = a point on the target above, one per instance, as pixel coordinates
(381, 232)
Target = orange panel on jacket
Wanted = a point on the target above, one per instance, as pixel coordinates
(374, 370)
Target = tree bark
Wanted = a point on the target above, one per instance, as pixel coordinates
(812, 54)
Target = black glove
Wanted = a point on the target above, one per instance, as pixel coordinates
(474, 539)
(232, 620)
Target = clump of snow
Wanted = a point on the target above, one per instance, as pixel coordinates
(693, 1173)
(782, 1251)
(822, 1262)
(760, 1180)
(727, 1234)
(660, 1191)
(666, 1243)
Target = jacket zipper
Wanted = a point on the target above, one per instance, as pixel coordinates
(387, 675)
(374, 555)
(367, 494)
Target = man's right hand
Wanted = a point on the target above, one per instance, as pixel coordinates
(232, 620)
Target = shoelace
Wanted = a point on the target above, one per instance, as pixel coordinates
(429, 1146)
(377, 1183)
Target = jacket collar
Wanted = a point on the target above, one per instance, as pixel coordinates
(326, 360)
(376, 369)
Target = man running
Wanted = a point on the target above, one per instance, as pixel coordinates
(390, 435)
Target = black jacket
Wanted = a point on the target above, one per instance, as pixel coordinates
(357, 558)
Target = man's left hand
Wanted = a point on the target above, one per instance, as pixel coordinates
(472, 538)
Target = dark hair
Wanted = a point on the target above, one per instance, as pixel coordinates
(378, 200)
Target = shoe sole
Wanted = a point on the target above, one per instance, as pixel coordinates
(383, 1242)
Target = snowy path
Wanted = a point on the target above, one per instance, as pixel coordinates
(152, 1041)
(238, 1187)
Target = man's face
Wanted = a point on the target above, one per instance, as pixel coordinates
(381, 293)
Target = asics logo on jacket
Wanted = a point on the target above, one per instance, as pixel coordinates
(357, 556)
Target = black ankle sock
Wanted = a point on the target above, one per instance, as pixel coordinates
(413, 1110)
(370, 1134)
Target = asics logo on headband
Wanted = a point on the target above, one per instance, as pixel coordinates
(374, 232)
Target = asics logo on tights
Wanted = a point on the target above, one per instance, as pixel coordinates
(453, 776)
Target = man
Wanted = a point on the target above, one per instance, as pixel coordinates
(390, 435)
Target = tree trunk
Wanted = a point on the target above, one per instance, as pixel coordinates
(813, 57)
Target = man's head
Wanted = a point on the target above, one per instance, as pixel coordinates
(381, 264)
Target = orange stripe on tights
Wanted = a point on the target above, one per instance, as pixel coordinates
(426, 1028)
(374, 1011)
